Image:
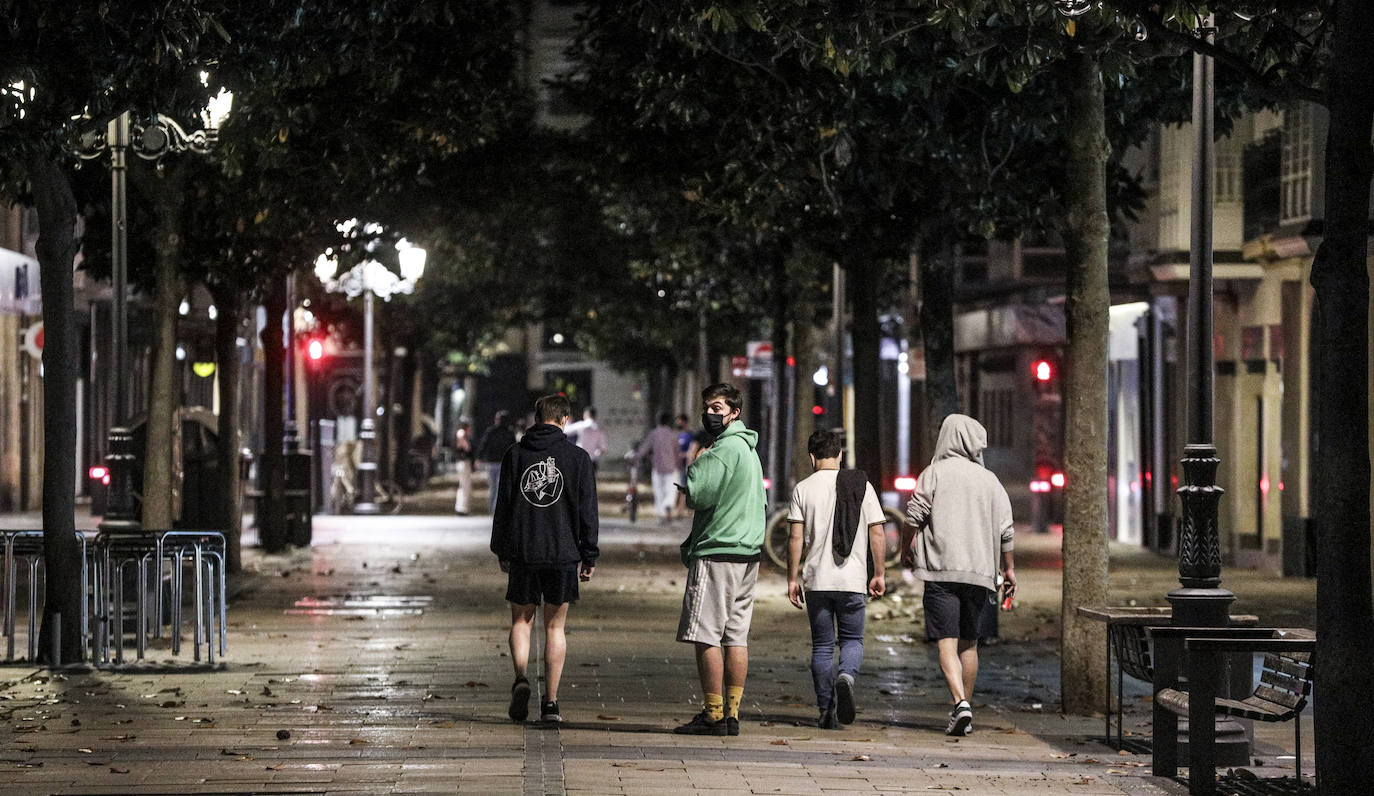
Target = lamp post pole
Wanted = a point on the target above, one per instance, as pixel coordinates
(150, 139)
(122, 510)
(1200, 601)
(365, 497)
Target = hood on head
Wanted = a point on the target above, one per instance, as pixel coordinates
(962, 436)
(541, 436)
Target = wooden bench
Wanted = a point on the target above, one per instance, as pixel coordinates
(1282, 693)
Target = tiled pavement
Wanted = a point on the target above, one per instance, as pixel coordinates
(333, 686)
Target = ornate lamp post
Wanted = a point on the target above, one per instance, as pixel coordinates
(150, 140)
(370, 279)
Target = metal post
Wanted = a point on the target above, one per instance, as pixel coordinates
(291, 434)
(122, 510)
(364, 498)
(1200, 601)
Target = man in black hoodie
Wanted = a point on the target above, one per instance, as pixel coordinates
(544, 533)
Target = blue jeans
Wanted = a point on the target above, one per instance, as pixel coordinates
(493, 478)
(832, 614)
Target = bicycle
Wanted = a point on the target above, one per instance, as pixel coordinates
(778, 531)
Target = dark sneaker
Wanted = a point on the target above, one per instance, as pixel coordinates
(844, 699)
(701, 724)
(827, 721)
(960, 720)
(731, 725)
(519, 700)
(548, 711)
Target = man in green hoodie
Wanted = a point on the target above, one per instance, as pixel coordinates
(725, 490)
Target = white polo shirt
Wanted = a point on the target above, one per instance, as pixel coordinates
(813, 505)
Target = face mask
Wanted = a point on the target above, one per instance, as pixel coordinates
(713, 423)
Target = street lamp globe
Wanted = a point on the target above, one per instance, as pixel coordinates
(412, 260)
(326, 266)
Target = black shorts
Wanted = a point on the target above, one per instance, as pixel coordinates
(535, 586)
(958, 610)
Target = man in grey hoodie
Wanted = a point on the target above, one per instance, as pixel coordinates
(963, 518)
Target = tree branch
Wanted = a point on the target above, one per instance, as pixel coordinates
(1264, 84)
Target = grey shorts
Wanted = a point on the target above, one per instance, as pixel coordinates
(718, 604)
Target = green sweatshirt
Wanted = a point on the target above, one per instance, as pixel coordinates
(725, 489)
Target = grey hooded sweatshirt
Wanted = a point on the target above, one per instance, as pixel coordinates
(960, 509)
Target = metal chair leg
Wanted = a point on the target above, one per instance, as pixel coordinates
(33, 608)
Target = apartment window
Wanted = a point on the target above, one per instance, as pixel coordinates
(1295, 175)
(1169, 185)
(997, 414)
(1228, 186)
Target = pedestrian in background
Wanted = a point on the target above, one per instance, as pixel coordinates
(837, 524)
(685, 436)
(463, 453)
(660, 445)
(960, 518)
(544, 533)
(495, 440)
(725, 489)
(589, 436)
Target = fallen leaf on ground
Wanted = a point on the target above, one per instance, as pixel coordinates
(357, 741)
(277, 767)
(779, 742)
(608, 718)
(118, 770)
(861, 758)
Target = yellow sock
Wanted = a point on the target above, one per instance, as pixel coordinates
(715, 710)
(733, 696)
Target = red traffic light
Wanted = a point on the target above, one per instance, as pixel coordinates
(1043, 370)
(315, 349)
(818, 410)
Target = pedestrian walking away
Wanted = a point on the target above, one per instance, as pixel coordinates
(661, 446)
(544, 533)
(725, 490)
(837, 530)
(589, 436)
(959, 516)
(463, 452)
(496, 440)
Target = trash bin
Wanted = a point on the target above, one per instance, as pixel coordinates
(299, 511)
(195, 473)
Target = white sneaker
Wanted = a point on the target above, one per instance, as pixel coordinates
(960, 719)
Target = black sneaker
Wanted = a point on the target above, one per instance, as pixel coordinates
(701, 724)
(827, 721)
(519, 699)
(844, 699)
(548, 711)
(960, 720)
(731, 725)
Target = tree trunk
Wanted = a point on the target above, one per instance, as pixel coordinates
(937, 266)
(227, 369)
(862, 274)
(1345, 618)
(165, 396)
(1086, 311)
(56, 248)
(272, 531)
(803, 421)
(781, 290)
